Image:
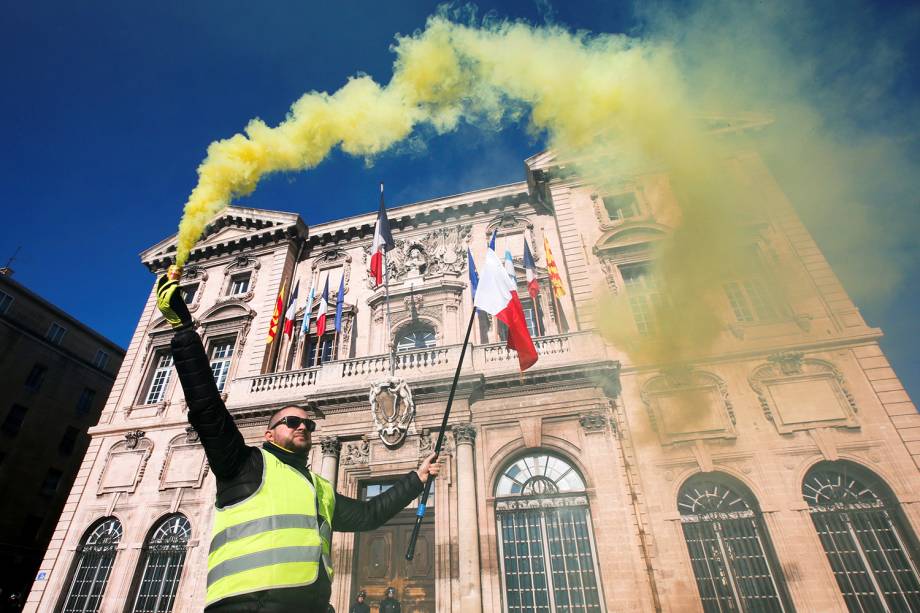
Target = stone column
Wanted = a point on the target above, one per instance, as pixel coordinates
(468, 542)
(330, 467)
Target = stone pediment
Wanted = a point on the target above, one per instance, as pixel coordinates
(630, 235)
(233, 229)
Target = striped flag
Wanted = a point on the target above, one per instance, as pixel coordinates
(339, 303)
(276, 315)
(554, 279)
(383, 242)
(307, 312)
(291, 312)
(509, 266)
(533, 286)
(321, 314)
(474, 278)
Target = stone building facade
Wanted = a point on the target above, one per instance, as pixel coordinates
(575, 486)
(55, 376)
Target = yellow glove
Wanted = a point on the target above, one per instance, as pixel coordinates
(171, 303)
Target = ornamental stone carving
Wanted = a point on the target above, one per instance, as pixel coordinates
(132, 438)
(191, 435)
(790, 362)
(393, 409)
(441, 251)
(464, 434)
(332, 258)
(594, 422)
(357, 453)
(425, 446)
(330, 446)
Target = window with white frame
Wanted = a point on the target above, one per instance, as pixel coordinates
(92, 566)
(644, 295)
(161, 564)
(546, 548)
(869, 546)
(56, 333)
(621, 206)
(730, 551)
(101, 360)
(221, 356)
(239, 284)
(159, 378)
(5, 301)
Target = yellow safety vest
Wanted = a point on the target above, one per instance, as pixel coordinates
(272, 539)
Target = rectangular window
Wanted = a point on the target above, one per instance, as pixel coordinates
(13, 422)
(159, 379)
(325, 352)
(69, 440)
(56, 333)
(239, 284)
(189, 291)
(532, 316)
(52, 482)
(101, 360)
(36, 377)
(5, 301)
(750, 301)
(221, 354)
(85, 403)
(621, 206)
(645, 297)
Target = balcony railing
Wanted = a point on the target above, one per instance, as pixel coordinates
(417, 364)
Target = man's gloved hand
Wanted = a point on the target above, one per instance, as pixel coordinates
(172, 304)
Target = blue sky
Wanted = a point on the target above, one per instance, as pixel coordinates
(110, 105)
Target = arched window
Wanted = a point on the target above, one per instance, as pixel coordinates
(545, 537)
(161, 565)
(730, 551)
(871, 551)
(416, 336)
(92, 565)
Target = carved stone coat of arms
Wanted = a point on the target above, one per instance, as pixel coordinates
(393, 410)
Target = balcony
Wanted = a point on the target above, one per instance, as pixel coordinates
(356, 374)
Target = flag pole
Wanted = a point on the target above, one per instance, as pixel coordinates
(386, 298)
(420, 514)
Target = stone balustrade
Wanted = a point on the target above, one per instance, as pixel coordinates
(434, 362)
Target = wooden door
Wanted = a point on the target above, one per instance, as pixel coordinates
(380, 562)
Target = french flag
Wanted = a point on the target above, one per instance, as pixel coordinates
(533, 287)
(496, 294)
(383, 242)
(321, 314)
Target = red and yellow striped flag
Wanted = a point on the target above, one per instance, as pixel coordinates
(279, 308)
(554, 278)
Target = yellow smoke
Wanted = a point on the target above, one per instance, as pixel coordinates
(623, 104)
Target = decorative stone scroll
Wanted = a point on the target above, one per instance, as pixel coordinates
(684, 404)
(800, 393)
(393, 409)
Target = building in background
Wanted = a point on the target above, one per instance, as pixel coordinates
(580, 485)
(55, 377)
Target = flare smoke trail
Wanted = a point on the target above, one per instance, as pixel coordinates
(623, 104)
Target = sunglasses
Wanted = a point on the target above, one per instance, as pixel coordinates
(293, 422)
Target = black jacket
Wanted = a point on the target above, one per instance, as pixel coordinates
(238, 470)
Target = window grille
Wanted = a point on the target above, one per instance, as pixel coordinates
(160, 378)
(545, 544)
(221, 354)
(93, 564)
(419, 336)
(732, 559)
(871, 552)
(161, 566)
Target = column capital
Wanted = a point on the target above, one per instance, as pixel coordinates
(464, 434)
(330, 445)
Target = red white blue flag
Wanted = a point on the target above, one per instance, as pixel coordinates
(533, 287)
(383, 242)
(321, 313)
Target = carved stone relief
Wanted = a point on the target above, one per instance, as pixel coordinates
(393, 409)
(799, 393)
(357, 453)
(438, 252)
(594, 422)
(685, 404)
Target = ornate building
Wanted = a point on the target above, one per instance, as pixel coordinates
(577, 486)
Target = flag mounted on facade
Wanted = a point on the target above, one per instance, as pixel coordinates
(497, 295)
(291, 312)
(509, 266)
(533, 286)
(383, 242)
(474, 278)
(554, 279)
(276, 315)
(339, 302)
(307, 312)
(321, 314)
